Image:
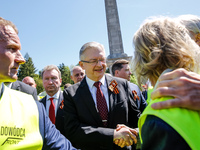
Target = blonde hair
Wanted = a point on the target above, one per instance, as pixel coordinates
(162, 43)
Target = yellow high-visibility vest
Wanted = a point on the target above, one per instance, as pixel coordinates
(19, 121)
(186, 122)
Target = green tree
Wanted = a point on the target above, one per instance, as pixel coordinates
(65, 74)
(38, 81)
(27, 69)
(39, 87)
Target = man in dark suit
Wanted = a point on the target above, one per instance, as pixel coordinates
(87, 124)
(121, 69)
(20, 86)
(51, 77)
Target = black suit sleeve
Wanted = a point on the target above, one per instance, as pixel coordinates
(143, 103)
(133, 111)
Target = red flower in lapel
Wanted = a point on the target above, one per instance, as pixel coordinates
(113, 87)
(62, 104)
(135, 95)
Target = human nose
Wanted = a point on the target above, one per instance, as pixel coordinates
(19, 58)
(99, 62)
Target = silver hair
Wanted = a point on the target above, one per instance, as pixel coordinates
(89, 45)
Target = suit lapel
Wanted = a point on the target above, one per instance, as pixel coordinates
(86, 97)
(60, 99)
(59, 110)
(43, 100)
(111, 95)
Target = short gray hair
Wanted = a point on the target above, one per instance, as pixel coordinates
(90, 45)
(71, 72)
(51, 67)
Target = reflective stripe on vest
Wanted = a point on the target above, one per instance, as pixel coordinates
(19, 121)
(185, 122)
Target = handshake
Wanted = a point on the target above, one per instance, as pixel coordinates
(124, 136)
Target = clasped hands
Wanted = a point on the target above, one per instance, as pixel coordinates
(124, 136)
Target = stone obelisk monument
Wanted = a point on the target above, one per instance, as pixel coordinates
(114, 33)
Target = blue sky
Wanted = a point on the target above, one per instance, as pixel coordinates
(53, 31)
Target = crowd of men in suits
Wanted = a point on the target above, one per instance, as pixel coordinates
(77, 112)
(99, 111)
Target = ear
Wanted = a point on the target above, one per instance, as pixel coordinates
(116, 73)
(71, 77)
(81, 65)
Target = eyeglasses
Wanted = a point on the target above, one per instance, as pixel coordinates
(95, 61)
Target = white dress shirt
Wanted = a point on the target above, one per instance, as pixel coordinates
(55, 101)
(93, 89)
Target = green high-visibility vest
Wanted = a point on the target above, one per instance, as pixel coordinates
(19, 121)
(186, 122)
(149, 91)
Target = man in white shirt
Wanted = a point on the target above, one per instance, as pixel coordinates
(95, 106)
(51, 77)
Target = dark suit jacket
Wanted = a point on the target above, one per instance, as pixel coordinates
(144, 93)
(21, 86)
(141, 102)
(83, 125)
(59, 115)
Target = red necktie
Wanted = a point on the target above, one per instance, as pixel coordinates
(101, 104)
(52, 111)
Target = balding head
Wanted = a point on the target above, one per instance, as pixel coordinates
(77, 74)
(30, 81)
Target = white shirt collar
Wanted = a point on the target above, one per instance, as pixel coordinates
(55, 96)
(91, 82)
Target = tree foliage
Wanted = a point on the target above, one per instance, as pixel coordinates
(26, 69)
(65, 74)
(39, 83)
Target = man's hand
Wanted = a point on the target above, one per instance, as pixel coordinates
(183, 85)
(124, 136)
